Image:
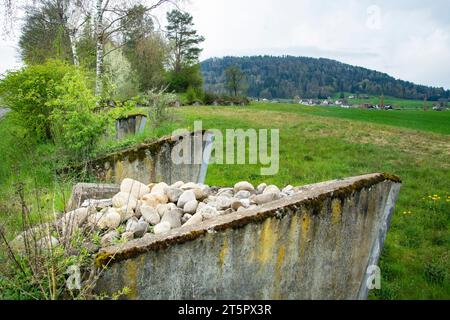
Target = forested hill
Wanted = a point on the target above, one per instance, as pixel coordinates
(287, 77)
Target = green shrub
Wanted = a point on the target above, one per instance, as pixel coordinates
(160, 105)
(75, 126)
(54, 102)
(29, 92)
(194, 95)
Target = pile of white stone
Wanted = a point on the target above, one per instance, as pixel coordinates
(140, 210)
(159, 208)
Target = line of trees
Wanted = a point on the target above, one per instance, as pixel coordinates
(119, 41)
(287, 77)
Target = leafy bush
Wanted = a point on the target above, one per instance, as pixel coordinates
(75, 126)
(185, 78)
(194, 95)
(160, 104)
(29, 92)
(54, 102)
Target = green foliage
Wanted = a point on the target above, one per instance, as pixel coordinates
(187, 77)
(43, 36)
(435, 273)
(54, 102)
(160, 104)
(235, 80)
(145, 49)
(184, 39)
(185, 51)
(30, 92)
(119, 80)
(194, 95)
(86, 47)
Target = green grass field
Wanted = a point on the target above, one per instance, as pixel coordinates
(316, 144)
(396, 102)
(432, 121)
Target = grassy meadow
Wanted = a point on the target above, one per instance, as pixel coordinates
(316, 144)
(319, 144)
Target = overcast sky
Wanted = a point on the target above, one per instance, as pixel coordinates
(409, 39)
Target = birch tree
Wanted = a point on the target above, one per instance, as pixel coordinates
(110, 16)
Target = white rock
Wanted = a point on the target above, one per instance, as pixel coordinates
(123, 199)
(243, 194)
(201, 205)
(190, 207)
(185, 197)
(225, 212)
(131, 224)
(150, 215)
(208, 212)
(71, 221)
(173, 217)
(260, 188)
(138, 228)
(266, 198)
(177, 184)
(153, 199)
(225, 192)
(244, 185)
(194, 220)
(125, 213)
(136, 188)
(173, 194)
(98, 204)
(272, 189)
(162, 209)
(108, 238)
(162, 227)
(236, 204)
(210, 199)
(141, 229)
(199, 194)
(186, 218)
(127, 236)
(288, 190)
(108, 219)
(223, 203)
(189, 186)
(245, 203)
(160, 188)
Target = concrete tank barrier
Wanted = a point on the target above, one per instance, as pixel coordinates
(150, 162)
(317, 244)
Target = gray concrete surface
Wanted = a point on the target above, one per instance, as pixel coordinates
(148, 163)
(314, 245)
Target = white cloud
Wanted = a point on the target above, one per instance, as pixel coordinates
(407, 39)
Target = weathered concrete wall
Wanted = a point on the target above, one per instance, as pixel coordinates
(130, 126)
(89, 191)
(149, 163)
(315, 245)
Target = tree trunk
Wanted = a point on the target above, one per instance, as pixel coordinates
(73, 45)
(99, 39)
